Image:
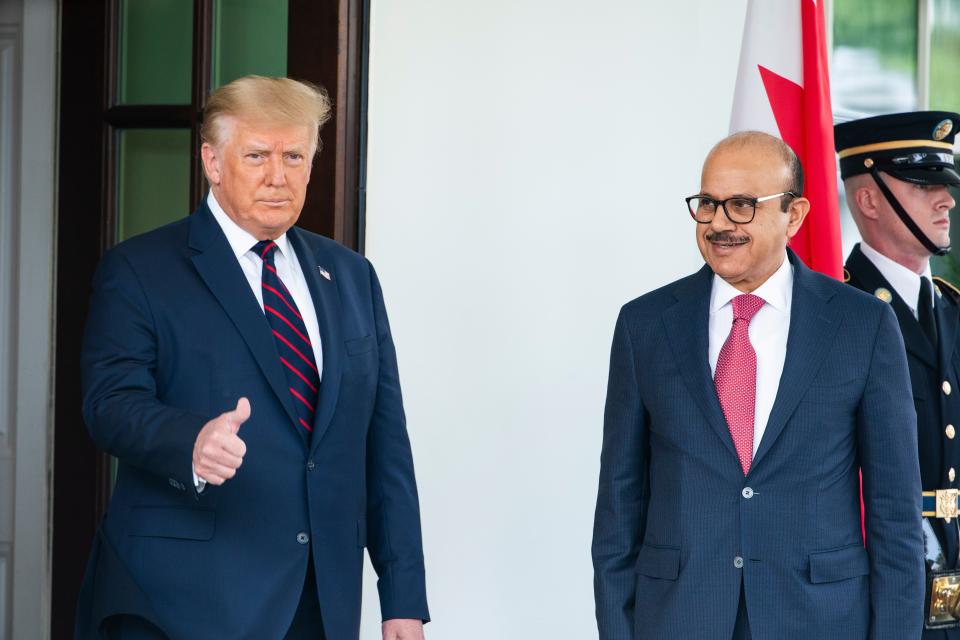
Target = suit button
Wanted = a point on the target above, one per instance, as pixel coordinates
(738, 562)
(950, 431)
(747, 493)
(303, 538)
(952, 474)
(946, 387)
(310, 465)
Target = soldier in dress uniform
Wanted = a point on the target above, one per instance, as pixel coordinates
(897, 171)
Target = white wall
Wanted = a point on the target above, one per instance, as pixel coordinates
(527, 167)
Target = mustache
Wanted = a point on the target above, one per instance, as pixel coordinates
(725, 237)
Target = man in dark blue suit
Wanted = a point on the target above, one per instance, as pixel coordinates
(242, 372)
(743, 400)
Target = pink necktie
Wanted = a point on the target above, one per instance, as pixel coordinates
(736, 377)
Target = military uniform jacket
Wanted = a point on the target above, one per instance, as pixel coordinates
(935, 377)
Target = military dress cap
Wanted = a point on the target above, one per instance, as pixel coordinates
(916, 147)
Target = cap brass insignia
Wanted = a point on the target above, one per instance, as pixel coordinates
(884, 294)
(868, 162)
(943, 129)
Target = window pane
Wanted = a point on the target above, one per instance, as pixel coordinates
(156, 51)
(945, 95)
(153, 179)
(250, 36)
(874, 57)
(945, 56)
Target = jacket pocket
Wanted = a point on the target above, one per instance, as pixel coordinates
(172, 522)
(659, 562)
(839, 564)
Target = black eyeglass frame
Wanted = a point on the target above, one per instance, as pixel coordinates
(723, 205)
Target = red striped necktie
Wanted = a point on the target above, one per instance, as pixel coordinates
(290, 334)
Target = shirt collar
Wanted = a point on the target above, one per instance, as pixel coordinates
(241, 241)
(777, 291)
(905, 282)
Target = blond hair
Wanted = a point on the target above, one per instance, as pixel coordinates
(263, 99)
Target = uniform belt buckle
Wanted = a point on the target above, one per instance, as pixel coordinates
(943, 601)
(947, 503)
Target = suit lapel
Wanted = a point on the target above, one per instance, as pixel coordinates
(326, 300)
(687, 327)
(813, 328)
(218, 267)
(948, 315)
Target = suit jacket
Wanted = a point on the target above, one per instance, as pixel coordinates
(174, 337)
(929, 368)
(676, 531)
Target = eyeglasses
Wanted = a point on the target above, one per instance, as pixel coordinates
(739, 210)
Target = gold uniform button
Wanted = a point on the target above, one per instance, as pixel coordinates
(950, 431)
(952, 474)
(946, 387)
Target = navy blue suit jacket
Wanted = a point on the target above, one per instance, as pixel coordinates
(672, 514)
(174, 337)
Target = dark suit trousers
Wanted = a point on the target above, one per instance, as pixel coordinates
(307, 622)
(130, 628)
(741, 628)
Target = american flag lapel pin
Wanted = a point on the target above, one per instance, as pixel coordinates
(324, 272)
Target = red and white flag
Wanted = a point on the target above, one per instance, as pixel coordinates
(783, 88)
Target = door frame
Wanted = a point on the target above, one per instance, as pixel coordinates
(33, 227)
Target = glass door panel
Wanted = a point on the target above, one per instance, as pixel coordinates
(156, 51)
(945, 56)
(249, 37)
(153, 179)
(945, 95)
(874, 67)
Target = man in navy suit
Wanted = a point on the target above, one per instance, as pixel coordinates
(242, 372)
(743, 402)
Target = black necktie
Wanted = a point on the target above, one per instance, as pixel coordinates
(925, 310)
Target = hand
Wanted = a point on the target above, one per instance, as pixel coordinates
(218, 451)
(402, 629)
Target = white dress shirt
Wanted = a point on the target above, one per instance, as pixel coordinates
(768, 335)
(288, 269)
(904, 281)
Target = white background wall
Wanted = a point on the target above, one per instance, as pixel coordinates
(527, 165)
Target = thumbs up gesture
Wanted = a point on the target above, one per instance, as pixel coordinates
(218, 451)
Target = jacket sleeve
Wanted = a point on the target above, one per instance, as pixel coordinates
(118, 364)
(887, 443)
(623, 493)
(393, 512)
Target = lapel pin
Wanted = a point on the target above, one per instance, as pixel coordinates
(884, 294)
(324, 272)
